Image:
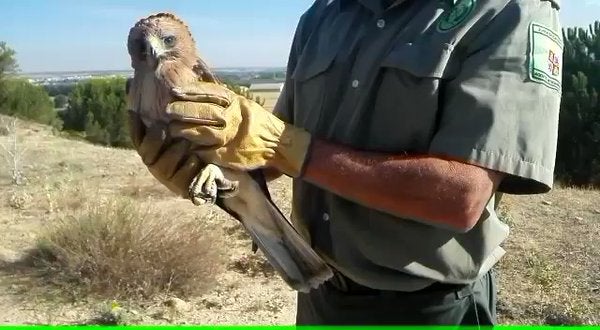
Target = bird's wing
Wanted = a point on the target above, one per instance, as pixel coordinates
(286, 250)
(259, 177)
(204, 72)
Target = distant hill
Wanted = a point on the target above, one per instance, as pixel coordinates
(127, 72)
(237, 75)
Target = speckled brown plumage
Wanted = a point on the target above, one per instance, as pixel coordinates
(180, 66)
(164, 57)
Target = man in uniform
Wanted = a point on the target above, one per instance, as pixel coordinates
(404, 121)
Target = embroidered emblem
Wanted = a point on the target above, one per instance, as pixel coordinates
(545, 58)
(554, 63)
(452, 18)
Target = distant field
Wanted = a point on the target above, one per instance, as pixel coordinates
(270, 99)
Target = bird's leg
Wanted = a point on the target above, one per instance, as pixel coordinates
(210, 184)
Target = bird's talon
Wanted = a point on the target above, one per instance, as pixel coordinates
(210, 184)
(228, 189)
(198, 201)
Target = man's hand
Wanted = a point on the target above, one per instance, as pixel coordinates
(231, 131)
(171, 164)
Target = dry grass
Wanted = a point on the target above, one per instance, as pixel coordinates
(550, 274)
(114, 248)
(252, 265)
(269, 97)
(13, 151)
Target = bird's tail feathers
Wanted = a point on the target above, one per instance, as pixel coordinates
(287, 251)
(292, 257)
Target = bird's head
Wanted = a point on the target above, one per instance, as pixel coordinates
(158, 38)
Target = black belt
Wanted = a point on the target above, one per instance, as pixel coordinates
(344, 284)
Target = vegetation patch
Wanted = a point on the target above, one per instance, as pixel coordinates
(252, 265)
(114, 249)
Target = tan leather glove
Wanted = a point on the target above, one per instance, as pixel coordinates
(170, 163)
(231, 131)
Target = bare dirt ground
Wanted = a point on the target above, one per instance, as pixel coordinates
(550, 274)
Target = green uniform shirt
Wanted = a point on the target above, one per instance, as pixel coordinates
(477, 80)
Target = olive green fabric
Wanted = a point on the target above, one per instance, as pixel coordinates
(399, 81)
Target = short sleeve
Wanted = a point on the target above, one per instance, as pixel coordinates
(284, 107)
(285, 102)
(501, 111)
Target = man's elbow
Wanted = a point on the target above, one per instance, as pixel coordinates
(474, 198)
(468, 216)
(468, 212)
(459, 215)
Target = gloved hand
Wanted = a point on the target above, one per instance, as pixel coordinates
(231, 131)
(171, 164)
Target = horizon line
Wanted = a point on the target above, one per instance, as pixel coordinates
(124, 70)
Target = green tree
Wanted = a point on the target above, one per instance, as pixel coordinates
(98, 107)
(18, 97)
(8, 66)
(60, 101)
(94, 132)
(24, 100)
(8, 62)
(60, 88)
(578, 156)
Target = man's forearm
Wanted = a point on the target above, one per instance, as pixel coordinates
(441, 192)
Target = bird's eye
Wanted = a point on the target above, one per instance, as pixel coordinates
(169, 41)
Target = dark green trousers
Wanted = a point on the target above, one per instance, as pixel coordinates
(343, 302)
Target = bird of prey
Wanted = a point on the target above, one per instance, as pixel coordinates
(164, 58)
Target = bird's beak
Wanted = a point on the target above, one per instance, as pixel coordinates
(155, 47)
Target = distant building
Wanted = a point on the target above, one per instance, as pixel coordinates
(256, 87)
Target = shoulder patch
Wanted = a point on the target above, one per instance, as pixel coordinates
(460, 11)
(546, 56)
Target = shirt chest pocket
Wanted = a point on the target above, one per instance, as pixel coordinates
(311, 77)
(407, 98)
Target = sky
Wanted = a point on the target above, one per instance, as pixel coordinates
(77, 35)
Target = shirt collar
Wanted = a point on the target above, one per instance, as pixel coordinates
(378, 6)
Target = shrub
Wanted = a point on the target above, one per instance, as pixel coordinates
(98, 108)
(60, 101)
(59, 89)
(578, 156)
(245, 92)
(116, 249)
(8, 61)
(19, 98)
